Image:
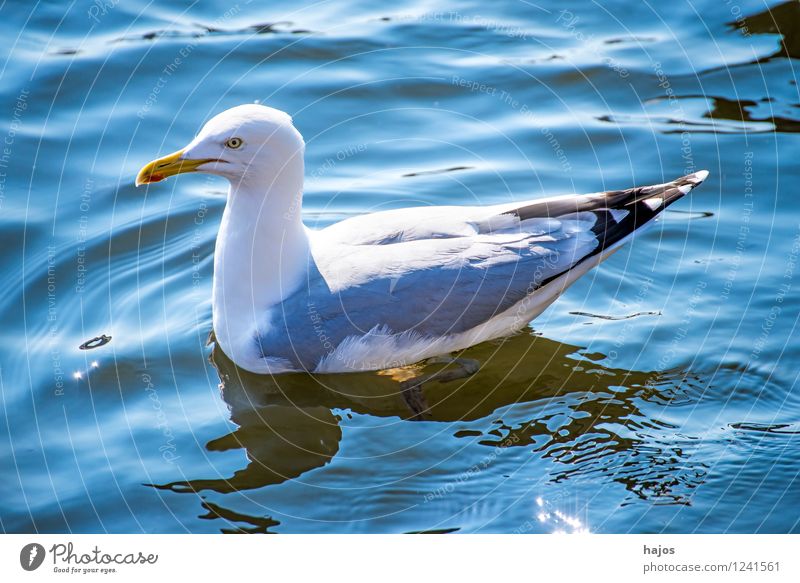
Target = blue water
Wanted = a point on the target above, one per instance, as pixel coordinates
(658, 395)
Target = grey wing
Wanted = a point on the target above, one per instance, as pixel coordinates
(449, 279)
(441, 222)
(432, 287)
(462, 284)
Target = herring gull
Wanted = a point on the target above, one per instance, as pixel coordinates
(389, 288)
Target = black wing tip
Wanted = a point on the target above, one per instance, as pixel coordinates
(683, 186)
(666, 193)
(643, 204)
(693, 179)
(613, 199)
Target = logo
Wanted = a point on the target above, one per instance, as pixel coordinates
(31, 556)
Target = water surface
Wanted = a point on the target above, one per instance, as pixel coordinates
(657, 395)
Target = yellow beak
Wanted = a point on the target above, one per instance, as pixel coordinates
(158, 170)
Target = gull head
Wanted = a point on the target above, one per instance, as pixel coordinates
(249, 145)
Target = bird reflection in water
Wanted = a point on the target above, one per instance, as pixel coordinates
(588, 418)
(782, 19)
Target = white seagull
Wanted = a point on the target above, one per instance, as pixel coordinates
(390, 288)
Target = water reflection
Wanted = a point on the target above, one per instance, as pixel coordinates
(257, 525)
(587, 417)
(766, 115)
(743, 110)
(783, 19)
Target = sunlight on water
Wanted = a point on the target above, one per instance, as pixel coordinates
(558, 522)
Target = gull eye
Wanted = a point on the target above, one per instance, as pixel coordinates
(234, 143)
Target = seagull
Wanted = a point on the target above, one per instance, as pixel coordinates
(391, 288)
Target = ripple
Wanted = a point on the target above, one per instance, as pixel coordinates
(778, 428)
(203, 30)
(437, 171)
(553, 431)
(260, 525)
(615, 318)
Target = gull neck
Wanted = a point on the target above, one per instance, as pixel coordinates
(261, 257)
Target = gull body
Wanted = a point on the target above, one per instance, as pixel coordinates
(390, 288)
